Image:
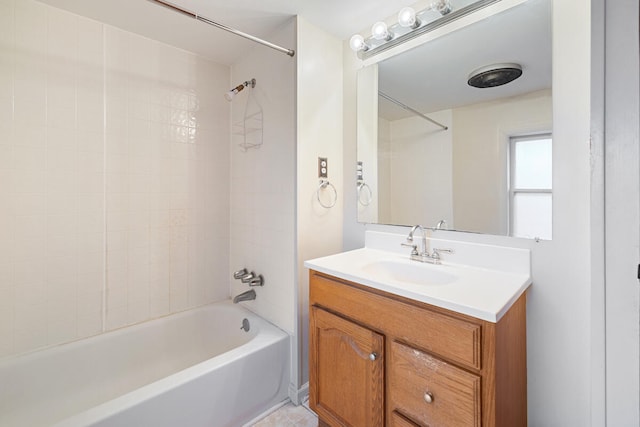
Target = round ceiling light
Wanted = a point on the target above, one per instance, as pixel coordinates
(494, 75)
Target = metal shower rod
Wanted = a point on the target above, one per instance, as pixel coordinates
(414, 111)
(175, 8)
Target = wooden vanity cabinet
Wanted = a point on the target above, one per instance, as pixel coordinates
(378, 359)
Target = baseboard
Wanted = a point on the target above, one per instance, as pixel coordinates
(299, 396)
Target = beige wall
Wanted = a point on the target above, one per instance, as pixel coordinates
(113, 178)
(381, 197)
(319, 127)
(373, 137)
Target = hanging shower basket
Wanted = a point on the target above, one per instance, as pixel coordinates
(249, 130)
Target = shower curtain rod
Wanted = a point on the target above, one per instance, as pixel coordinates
(416, 112)
(175, 8)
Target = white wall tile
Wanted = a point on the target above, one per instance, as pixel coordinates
(34, 136)
(117, 211)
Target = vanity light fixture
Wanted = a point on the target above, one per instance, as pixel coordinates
(411, 24)
(357, 43)
(407, 18)
(442, 6)
(379, 31)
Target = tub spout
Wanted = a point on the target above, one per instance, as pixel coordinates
(245, 296)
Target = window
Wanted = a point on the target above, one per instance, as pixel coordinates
(530, 189)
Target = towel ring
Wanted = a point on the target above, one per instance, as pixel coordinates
(325, 184)
(362, 186)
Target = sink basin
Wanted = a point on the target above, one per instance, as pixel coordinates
(408, 272)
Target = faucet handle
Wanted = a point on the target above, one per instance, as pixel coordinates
(257, 281)
(437, 251)
(414, 248)
(248, 277)
(240, 273)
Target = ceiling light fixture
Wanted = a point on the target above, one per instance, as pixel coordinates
(411, 24)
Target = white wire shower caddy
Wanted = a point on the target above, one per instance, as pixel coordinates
(249, 130)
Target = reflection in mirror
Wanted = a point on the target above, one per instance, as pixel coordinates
(433, 149)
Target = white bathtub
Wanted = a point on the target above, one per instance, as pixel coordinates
(196, 368)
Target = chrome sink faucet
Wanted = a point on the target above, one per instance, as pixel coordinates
(424, 244)
(424, 255)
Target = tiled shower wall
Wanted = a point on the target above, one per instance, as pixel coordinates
(114, 178)
(263, 182)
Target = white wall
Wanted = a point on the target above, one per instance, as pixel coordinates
(108, 145)
(263, 183)
(559, 306)
(319, 106)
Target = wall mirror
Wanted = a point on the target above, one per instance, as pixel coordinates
(432, 149)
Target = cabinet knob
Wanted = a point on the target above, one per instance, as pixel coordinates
(373, 357)
(428, 397)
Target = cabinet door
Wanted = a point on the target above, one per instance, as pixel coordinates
(346, 371)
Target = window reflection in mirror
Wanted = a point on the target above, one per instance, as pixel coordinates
(530, 190)
(420, 173)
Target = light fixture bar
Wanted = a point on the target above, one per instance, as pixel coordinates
(414, 111)
(452, 16)
(175, 8)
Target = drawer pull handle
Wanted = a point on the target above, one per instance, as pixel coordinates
(428, 397)
(373, 357)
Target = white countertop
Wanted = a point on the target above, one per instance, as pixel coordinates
(483, 293)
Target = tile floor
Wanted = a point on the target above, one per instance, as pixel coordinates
(289, 416)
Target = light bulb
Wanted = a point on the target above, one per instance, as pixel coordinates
(407, 18)
(442, 6)
(379, 31)
(357, 43)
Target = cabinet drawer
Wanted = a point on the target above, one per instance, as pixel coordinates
(431, 391)
(449, 337)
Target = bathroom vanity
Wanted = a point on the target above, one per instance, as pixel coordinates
(389, 350)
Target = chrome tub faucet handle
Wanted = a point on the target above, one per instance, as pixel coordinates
(248, 277)
(240, 274)
(257, 281)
